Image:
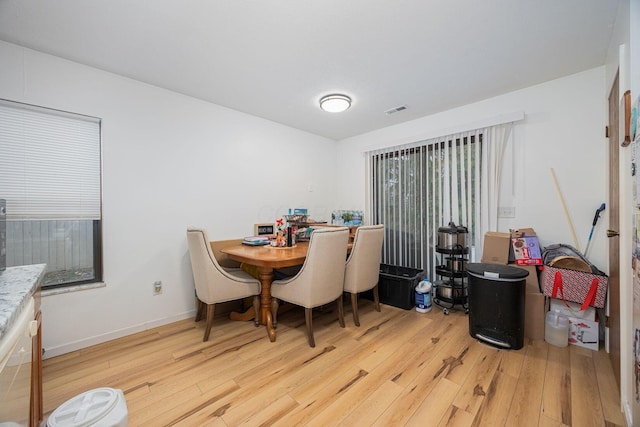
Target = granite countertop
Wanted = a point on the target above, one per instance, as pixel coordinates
(17, 284)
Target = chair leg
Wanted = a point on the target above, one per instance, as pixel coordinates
(376, 298)
(200, 308)
(308, 315)
(256, 308)
(354, 308)
(274, 311)
(340, 311)
(211, 309)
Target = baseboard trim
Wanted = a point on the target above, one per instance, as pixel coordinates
(78, 345)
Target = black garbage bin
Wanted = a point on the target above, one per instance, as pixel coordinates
(496, 304)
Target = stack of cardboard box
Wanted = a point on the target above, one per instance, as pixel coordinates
(520, 247)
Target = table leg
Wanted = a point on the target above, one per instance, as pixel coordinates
(266, 278)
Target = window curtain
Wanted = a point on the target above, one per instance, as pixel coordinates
(497, 139)
(416, 188)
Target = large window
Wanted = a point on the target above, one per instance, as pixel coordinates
(418, 188)
(50, 176)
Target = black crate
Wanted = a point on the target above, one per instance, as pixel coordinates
(397, 285)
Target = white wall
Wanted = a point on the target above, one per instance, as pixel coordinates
(172, 161)
(563, 129)
(169, 161)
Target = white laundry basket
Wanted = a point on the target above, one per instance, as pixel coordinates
(100, 407)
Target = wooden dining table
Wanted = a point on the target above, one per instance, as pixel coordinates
(267, 258)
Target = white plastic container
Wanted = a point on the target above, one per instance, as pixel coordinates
(556, 329)
(100, 407)
(423, 296)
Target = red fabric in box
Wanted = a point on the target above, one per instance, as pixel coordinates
(584, 288)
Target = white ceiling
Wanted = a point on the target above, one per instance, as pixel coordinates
(275, 58)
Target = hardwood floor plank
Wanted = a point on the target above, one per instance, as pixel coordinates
(545, 421)
(435, 405)
(401, 409)
(370, 408)
(556, 398)
(399, 368)
(328, 391)
(586, 407)
(494, 408)
(198, 411)
(456, 417)
(527, 400)
(608, 387)
(474, 389)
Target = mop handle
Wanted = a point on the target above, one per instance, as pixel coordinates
(566, 212)
(598, 211)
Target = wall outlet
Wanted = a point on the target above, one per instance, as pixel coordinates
(157, 287)
(506, 212)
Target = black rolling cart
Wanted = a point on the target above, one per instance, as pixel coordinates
(451, 286)
(451, 289)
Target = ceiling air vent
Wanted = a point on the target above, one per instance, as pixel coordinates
(397, 109)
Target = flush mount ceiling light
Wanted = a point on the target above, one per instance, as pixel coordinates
(335, 103)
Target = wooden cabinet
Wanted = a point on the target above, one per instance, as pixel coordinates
(36, 415)
(22, 330)
(36, 373)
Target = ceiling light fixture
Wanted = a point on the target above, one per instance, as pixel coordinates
(335, 103)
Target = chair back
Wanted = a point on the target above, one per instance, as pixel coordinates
(222, 258)
(320, 280)
(206, 270)
(363, 265)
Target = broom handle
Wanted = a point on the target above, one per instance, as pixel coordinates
(566, 212)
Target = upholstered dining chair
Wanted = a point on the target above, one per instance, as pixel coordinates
(215, 284)
(363, 265)
(320, 280)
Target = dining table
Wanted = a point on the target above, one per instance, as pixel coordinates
(267, 258)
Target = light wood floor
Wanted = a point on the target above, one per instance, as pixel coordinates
(399, 368)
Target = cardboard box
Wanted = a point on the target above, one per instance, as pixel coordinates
(583, 333)
(535, 306)
(531, 283)
(534, 312)
(571, 309)
(526, 248)
(495, 249)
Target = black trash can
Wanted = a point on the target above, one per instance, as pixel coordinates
(496, 304)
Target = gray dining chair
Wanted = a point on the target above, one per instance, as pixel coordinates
(215, 284)
(320, 280)
(362, 269)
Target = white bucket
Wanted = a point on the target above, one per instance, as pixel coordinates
(423, 296)
(556, 329)
(100, 407)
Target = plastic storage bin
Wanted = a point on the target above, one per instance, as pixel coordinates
(397, 285)
(496, 304)
(100, 407)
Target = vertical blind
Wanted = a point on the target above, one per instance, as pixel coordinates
(417, 188)
(49, 163)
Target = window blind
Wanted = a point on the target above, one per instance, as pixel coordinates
(49, 163)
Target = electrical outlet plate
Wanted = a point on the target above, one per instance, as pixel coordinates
(506, 212)
(157, 287)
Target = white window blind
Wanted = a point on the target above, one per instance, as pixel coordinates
(49, 163)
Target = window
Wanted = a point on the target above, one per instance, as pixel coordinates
(419, 188)
(50, 177)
